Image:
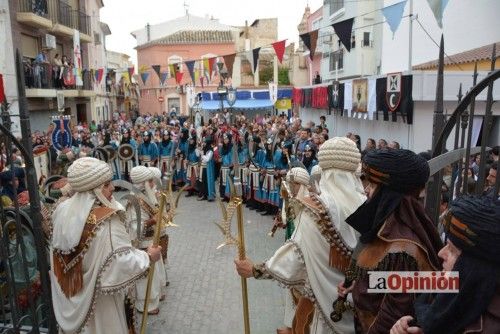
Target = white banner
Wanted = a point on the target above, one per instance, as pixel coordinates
(190, 95)
(273, 92)
(77, 58)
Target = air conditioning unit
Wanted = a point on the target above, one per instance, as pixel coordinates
(49, 42)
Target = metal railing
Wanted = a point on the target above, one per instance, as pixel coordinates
(83, 22)
(46, 76)
(38, 7)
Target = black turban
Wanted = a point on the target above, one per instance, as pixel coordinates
(473, 225)
(400, 170)
(399, 173)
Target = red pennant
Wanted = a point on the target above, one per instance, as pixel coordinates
(178, 77)
(279, 48)
(2, 92)
(211, 62)
(100, 73)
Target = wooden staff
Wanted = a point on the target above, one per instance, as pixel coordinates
(156, 241)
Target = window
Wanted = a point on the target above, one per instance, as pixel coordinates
(336, 57)
(353, 41)
(366, 39)
(97, 38)
(29, 45)
(335, 5)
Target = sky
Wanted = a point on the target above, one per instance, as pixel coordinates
(125, 16)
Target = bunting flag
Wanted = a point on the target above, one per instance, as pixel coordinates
(279, 48)
(196, 76)
(393, 14)
(255, 59)
(2, 90)
(437, 7)
(94, 74)
(178, 77)
(100, 75)
(211, 62)
(190, 66)
(144, 77)
(229, 61)
(172, 69)
(343, 30)
(310, 40)
(163, 77)
(130, 73)
(157, 68)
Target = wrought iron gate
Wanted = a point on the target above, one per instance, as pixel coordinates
(25, 301)
(461, 122)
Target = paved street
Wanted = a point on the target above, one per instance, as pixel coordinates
(204, 295)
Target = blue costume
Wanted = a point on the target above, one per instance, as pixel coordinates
(207, 173)
(243, 159)
(166, 148)
(148, 152)
(192, 172)
(226, 154)
(180, 176)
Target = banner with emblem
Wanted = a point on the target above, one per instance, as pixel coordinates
(61, 136)
(393, 91)
(336, 96)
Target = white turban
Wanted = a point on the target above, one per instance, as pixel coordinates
(298, 175)
(156, 172)
(340, 153)
(140, 174)
(88, 173)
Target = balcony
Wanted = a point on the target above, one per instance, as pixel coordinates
(44, 80)
(34, 13)
(65, 19)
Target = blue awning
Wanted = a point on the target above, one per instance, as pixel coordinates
(238, 105)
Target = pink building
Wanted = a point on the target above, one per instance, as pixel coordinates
(173, 42)
(314, 21)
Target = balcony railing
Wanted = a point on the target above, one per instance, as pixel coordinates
(38, 7)
(47, 76)
(83, 22)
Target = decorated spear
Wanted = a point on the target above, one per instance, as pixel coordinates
(235, 205)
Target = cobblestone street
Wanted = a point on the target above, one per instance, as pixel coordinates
(204, 295)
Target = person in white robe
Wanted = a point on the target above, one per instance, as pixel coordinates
(143, 178)
(313, 261)
(93, 263)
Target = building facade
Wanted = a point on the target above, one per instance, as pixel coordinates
(57, 42)
(173, 42)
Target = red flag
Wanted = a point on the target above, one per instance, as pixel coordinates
(2, 92)
(279, 48)
(178, 77)
(100, 73)
(211, 62)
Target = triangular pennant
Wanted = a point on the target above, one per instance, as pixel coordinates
(163, 77)
(437, 7)
(143, 68)
(211, 62)
(190, 66)
(178, 77)
(393, 14)
(196, 76)
(255, 55)
(130, 73)
(205, 64)
(172, 70)
(95, 74)
(279, 48)
(310, 40)
(144, 77)
(157, 68)
(343, 30)
(229, 61)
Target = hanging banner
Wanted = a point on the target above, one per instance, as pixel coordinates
(61, 136)
(405, 106)
(211, 62)
(255, 57)
(2, 90)
(130, 73)
(393, 91)
(393, 15)
(336, 96)
(190, 95)
(279, 48)
(273, 92)
(343, 30)
(283, 104)
(77, 58)
(310, 40)
(360, 95)
(144, 77)
(229, 61)
(190, 66)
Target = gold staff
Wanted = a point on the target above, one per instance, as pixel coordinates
(235, 204)
(165, 197)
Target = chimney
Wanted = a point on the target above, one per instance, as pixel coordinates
(148, 32)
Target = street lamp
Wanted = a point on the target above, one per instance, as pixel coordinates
(231, 99)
